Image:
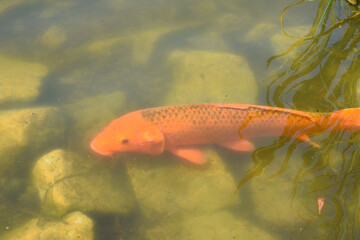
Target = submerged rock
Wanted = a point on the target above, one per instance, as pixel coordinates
(201, 77)
(28, 131)
(212, 41)
(280, 42)
(6, 4)
(272, 201)
(93, 113)
(164, 187)
(54, 37)
(20, 81)
(216, 225)
(66, 182)
(141, 43)
(259, 34)
(74, 226)
(276, 198)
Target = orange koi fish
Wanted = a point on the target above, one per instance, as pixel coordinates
(181, 129)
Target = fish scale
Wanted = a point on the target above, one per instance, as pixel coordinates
(201, 123)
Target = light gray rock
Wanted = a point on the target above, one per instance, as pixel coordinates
(276, 197)
(28, 131)
(54, 37)
(280, 42)
(90, 115)
(259, 34)
(142, 43)
(7, 4)
(200, 77)
(66, 182)
(20, 81)
(74, 226)
(209, 41)
(273, 201)
(167, 188)
(216, 225)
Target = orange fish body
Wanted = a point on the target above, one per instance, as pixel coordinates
(180, 129)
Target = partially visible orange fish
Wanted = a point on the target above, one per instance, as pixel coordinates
(181, 129)
(321, 202)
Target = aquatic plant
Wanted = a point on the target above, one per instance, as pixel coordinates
(324, 63)
(320, 73)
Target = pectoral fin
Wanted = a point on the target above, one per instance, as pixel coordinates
(240, 145)
(191, 154)
(153, 141)
(153, 135)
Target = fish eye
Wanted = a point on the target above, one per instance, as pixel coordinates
(125, 141)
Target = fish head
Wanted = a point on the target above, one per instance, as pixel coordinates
(129, 133)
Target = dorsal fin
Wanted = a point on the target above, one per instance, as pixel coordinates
(267, 108)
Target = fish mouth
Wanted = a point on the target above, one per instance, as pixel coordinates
(95, 147)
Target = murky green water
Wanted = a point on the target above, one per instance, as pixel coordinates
(68, 68)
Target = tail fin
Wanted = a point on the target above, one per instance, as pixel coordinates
(342, 120)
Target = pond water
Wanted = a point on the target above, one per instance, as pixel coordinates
(68, 68)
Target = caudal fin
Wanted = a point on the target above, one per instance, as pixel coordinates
(343, 120)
